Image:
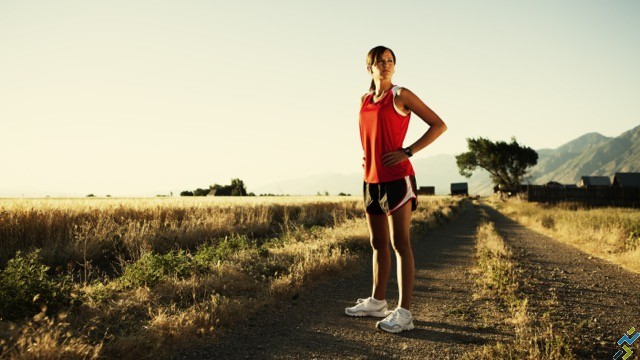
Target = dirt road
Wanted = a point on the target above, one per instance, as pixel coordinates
(314, 325)
(597, 302)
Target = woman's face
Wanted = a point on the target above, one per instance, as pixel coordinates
(384, 67)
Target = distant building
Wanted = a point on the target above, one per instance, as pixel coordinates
(427, 190)
(460, 189)
(557, 185)
(553, 185)
(587, 181)
(626, 180)
(218, 190)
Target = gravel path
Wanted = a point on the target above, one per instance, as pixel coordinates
(314, 324)
(592, 298)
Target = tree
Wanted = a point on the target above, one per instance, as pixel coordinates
(200, 192)
(507, 163)
(238, 188)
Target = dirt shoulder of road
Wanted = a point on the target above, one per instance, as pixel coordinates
(594, 301)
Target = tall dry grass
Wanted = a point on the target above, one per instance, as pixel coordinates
(178, 309)
(609, 233)
(98, 231)
(535, 335)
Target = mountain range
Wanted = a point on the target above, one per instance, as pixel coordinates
(591, 154)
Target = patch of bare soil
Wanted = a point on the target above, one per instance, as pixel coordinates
(595, 301)
(314, 324)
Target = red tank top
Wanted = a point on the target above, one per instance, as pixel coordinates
(382, 130)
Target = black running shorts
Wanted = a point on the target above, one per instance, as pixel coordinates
(385, 198)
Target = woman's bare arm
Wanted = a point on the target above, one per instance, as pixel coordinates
(405, 99)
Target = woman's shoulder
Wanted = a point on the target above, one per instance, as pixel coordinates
(402, 92)
(364, 97)
(398, 90)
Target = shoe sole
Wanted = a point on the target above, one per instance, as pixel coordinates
(395, 331)
(363, 314)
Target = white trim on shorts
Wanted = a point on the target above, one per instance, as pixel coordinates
(408, 195)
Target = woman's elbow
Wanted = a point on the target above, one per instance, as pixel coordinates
(443, 127)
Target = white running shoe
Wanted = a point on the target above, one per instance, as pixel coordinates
(398, 320)
(368, 307)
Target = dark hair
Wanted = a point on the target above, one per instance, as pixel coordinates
(373, 56)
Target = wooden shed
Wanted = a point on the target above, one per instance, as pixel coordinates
(626, 180)
(218, 190)
(587, 181)
(460, 189)
(553, 185)
(427, 190)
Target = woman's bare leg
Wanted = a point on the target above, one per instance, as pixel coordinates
(399, 222)
(379, 236)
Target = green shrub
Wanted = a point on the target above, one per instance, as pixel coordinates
(205, 258)
(151, 268)
(26, 287)
(231, 245)
(98, 292)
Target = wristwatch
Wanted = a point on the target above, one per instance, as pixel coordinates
(407, 151)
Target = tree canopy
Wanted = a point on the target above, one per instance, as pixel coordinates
(237, 188)
(507, 163)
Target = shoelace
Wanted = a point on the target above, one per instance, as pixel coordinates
(360, 301)
(392, 315)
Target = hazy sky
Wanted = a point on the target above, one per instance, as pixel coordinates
(146, 97)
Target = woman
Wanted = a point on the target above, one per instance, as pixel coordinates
(389, 185)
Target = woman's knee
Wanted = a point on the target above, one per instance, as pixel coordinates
(401, 244)
(379, 243)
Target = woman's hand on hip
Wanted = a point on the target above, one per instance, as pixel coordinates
(394, 157)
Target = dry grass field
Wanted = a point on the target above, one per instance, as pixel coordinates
(138, 278)
(609, 233)
(71, 231)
